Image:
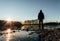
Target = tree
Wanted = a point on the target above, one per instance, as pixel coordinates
(18, 25)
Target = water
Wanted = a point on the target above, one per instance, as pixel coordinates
(19, 36)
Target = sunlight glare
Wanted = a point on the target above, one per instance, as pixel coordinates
(8, 35)
(9, 19)
(8, 30)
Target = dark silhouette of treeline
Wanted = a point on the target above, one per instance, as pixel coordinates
(46, 24)
(18, 25)
(13, 24)
(52, 23)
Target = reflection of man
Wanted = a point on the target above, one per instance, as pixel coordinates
(39, 38)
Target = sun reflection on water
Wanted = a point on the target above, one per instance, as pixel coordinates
(9, 35)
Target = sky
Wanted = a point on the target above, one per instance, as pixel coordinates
(21, 10)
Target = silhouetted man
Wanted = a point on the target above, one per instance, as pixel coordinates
(40, 18)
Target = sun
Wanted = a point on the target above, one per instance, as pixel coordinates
(9, 19)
